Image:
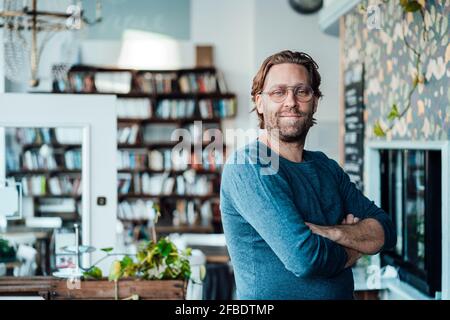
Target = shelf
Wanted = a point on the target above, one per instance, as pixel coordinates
(158, 96)
(53, 145)
(89, 68)
(161, 144)
(184, 229)
(76, 197)
(200, 171)
(172, 229)
(173, 196)
(42, 172)
(178, 121)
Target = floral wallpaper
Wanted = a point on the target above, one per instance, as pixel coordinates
(391, 69)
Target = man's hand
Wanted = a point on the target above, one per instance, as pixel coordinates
(365, 236)
(353, 256)
(328, 232)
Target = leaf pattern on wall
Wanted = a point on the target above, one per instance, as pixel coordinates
(390, 68)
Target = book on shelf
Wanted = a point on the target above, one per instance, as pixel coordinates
(128, 134)
(134, 108)
(60, 205)
(135, 210)
(131, 159)
(157, 133)
(39, 159)
(68, 135)
(73, 159)
(117, 82)
(217, 108)
(175, 109)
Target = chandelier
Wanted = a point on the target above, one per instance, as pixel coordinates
(26, 31)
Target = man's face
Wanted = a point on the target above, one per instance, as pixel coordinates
(290, 117)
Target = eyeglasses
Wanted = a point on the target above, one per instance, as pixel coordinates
(302, 93)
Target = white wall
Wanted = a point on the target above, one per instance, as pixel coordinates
(229, 26)
(278, 27)
(245, 33)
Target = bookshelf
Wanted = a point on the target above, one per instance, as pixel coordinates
(47, 161)
(152, 104)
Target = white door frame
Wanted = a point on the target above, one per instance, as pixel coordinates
(96, 116)
(372, 186)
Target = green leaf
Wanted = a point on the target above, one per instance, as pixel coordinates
(126, 261)
(115, 272)
(394, 113)
(378, 131)
(412, 6)
(107, 249)
(94, 273)
(404, 3)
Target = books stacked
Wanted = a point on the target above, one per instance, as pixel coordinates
(160, 133)
(192, 213)
(57, 205)
(128, 134)
(165, 159)
(73, 159)
(40, 185)
(198, 83)
(217, 108)
(135, 210)
(64, 185)
(134, 108)
(113, 82)
(32, 135)
(68, 135)
(175, 109)
(131, 159)
(42, 159)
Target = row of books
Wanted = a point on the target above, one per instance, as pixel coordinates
(39, 185)
(123, 82)
(192, 213)
(164, 184)
(131, 159)
(134, 108)
(39, 136)
(151, 83)
(128, 134)
(175, 109)
(59, 205)
(135, 210)
(37, 159)
(168, 159)
(220, 108)
(198, 83)
(184, 212)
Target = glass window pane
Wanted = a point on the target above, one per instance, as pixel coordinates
(415, 207)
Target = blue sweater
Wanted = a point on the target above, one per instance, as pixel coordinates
(274, 254)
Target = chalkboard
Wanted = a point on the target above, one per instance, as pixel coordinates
(354, 125)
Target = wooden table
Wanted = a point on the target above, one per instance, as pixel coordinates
(52, 288)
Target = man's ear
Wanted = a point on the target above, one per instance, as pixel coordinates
(259, 103)
(315, 104)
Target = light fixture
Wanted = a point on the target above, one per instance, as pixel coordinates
(26, 30)
(306, 6)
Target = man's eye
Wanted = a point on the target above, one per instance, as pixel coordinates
(278, 92)
(302, 92)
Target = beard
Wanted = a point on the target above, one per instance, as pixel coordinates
(290, 129)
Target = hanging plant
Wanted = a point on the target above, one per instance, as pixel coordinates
(408, 6)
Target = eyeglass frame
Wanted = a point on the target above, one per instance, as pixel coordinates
(287, 88)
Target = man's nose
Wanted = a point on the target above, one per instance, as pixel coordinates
(290, 99)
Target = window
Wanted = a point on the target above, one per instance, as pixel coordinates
(411, 195)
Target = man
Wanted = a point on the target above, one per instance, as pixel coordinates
(295, 233)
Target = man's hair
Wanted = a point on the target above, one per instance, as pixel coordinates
(285, 56)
